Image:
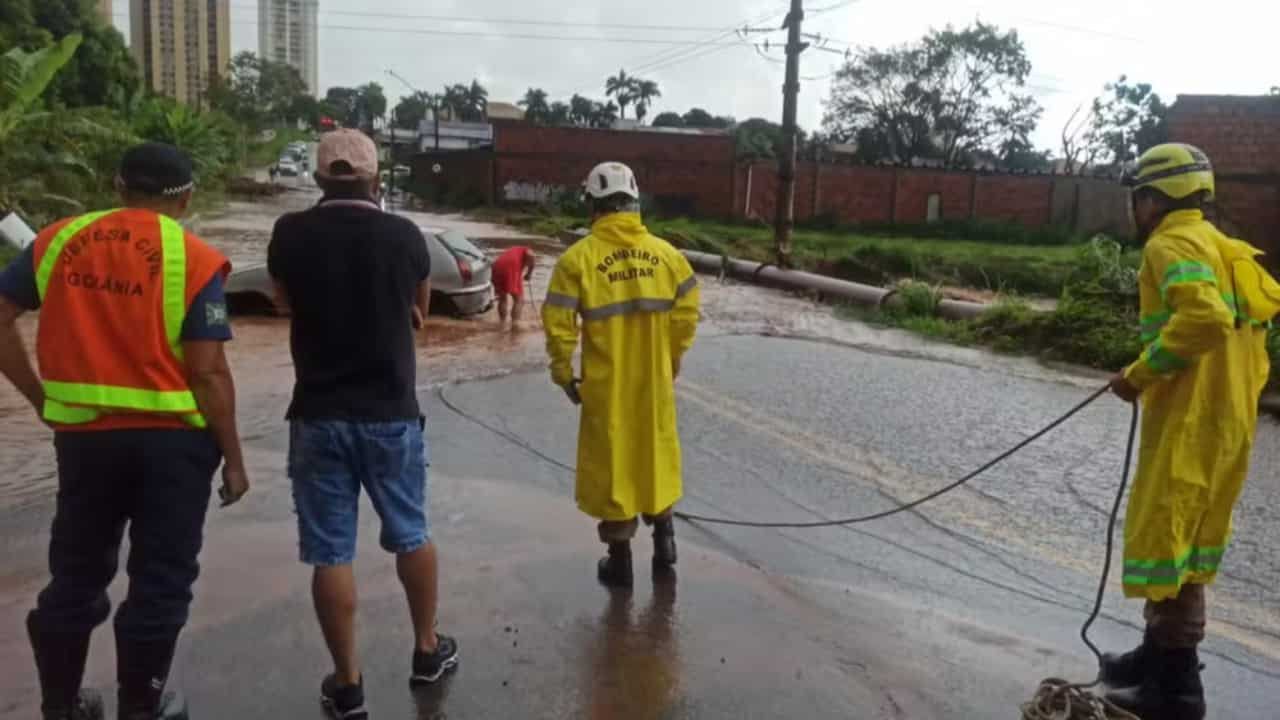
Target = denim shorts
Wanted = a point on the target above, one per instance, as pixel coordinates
(330, 460)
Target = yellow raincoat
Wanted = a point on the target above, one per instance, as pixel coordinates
(1205, 303)
(637, 298)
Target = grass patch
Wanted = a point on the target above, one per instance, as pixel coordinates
(7, 253)
(872, 257)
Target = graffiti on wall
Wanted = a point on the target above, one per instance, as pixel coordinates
(534, 192)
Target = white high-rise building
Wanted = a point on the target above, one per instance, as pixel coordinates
(289, 31)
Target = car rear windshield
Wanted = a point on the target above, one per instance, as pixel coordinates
(459, 245)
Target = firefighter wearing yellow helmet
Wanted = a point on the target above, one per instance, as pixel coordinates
(1205, 306)
(633, 299)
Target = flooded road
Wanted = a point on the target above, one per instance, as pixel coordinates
(956, 610)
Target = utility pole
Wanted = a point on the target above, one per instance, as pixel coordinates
(785, 221)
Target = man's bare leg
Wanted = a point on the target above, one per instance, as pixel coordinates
(502, 308)
(419, 574)
(334, 591)
(517, 310)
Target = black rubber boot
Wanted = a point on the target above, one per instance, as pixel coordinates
(615, 569)
(1129, 669)
(60, 660)
(664, 544)
(1171, 690)
(142, 668)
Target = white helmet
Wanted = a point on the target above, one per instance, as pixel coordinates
(611, 178)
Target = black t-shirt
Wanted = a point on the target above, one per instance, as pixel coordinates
(351, 273)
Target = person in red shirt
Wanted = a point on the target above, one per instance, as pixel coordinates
(511, 271)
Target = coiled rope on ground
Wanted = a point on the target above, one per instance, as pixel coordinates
(1055, 699)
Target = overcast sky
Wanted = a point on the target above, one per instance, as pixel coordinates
(1180, 46)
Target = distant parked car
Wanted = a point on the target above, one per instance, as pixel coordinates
(461, 278)
(287, 167)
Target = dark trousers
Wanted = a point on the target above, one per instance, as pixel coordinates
(1177, 622)
(619, 531)
(157, 484)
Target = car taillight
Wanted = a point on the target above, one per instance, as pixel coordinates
(464, 269)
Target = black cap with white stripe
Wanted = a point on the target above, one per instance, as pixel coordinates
(157, 169)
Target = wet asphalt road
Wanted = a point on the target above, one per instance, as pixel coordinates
(956, 610)
(992, 582)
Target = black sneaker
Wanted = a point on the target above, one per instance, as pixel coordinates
(345, 702)
(428, 668)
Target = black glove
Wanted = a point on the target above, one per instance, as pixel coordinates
(572, 391)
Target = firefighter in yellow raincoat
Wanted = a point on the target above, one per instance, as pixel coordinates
(637, 299)
(1205, 307)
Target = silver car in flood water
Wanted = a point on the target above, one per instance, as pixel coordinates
(461, 278)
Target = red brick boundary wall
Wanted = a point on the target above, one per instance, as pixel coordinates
(1241, 135)
(697, 174)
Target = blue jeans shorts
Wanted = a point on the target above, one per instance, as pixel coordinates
(330, 460)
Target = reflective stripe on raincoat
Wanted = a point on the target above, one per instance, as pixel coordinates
(1205, 307)
(637, 298)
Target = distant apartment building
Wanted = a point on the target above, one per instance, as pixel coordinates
(105, 10)
(180, 44)
(289, 32)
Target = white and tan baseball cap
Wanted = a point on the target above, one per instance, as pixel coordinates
(347, 155)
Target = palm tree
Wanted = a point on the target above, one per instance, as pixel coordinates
(535, 106)
(645, 92)
(454, 100)
(581, 110)
(603, 115)
(559, 114)
(621, 87)
(476, 103)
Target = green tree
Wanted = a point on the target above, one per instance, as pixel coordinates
(1129, 118)
(40, 170)
(371, 105)
(669, 119)
(699, 118)
(454, 100)
(260, 93)
(412, 110)
(342, 104)
(536, 109)
(472, 101)
(760, 139)
(102, 72)
(581, 110)
(603, 115)
(621, 87)
(645, 93)
(559, 114)
(211, 139)
(946, 97)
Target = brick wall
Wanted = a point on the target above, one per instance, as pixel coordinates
(677, 169)
(698, 175)
(1241, 135)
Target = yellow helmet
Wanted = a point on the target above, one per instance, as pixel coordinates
(1175, 169)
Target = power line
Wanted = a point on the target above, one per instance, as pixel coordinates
(666, 59)
(516, 36)
(507, 21)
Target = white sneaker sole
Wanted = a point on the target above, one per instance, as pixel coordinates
(445, 667)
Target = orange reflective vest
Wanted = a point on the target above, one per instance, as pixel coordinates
(114, 290)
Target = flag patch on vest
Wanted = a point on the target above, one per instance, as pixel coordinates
(215, 314)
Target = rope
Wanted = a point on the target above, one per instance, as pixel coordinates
(1060, 700)
(915, 503)
(1055, 699)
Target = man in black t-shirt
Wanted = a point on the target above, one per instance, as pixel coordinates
(356, 282)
